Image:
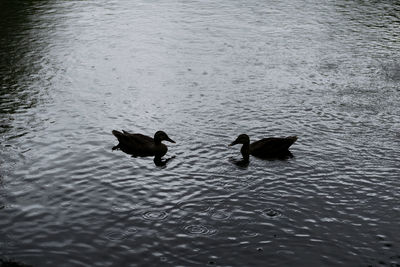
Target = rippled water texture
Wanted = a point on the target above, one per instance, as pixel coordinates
(204, 72)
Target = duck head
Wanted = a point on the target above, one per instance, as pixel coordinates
(162, 136)
(241, 139)
(245, 150)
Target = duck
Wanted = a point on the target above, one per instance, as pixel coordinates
(139, 145)
(266, 148)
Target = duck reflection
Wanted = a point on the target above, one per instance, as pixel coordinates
(267, 148)
(243, 164)
(139, 145)
(160, 162)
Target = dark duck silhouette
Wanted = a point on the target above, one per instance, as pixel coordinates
(139, 145)
(266, 148)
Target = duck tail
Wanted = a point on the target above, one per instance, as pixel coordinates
(292, 139)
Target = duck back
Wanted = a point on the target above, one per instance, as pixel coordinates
(273, 146)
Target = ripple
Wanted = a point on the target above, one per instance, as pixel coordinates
(237, 186)
(8, 242)
(249, 233)
(131, 230)
(194, 206)
(117, 207)
(199, 230)
(220, 215)
(116, 236)
(155, 215)
(120, 235)
(271, 213)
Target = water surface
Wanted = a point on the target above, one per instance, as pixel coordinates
(204, 72)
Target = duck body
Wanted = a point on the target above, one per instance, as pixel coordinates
(139, 145)
(273, 147)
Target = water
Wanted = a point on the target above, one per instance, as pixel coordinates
(204, 72)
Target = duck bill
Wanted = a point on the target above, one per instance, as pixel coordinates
(233, 143)
(169, 140)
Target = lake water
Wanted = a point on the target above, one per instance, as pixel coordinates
(204, 72)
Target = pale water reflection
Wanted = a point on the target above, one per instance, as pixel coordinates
(204, 72)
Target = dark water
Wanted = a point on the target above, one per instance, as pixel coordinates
(202, 71)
